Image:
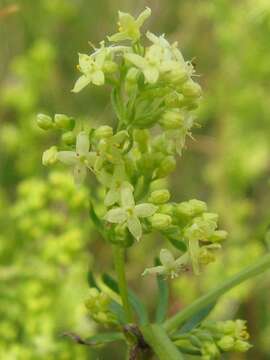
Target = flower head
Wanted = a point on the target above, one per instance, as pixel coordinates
(81, 159)
(129, 213)
(129, 27)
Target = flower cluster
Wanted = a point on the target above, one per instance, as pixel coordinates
(97, 304)
(152, 87)
(212, 338)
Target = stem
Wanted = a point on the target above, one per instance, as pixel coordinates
(119, 264)
(252, 270)
(160, 343)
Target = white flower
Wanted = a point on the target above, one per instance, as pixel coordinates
(169, 265)
(81, 159)
(129, 213)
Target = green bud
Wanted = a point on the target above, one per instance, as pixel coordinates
(174, 99)
(191, 208)
(191, 89)
(206, 256)
(109, 67)
(167, 166)
(141, 136)
(49, 156)
(63, 122)
(132, 75)
(241, 346)
(160, 221)
(172, 119)
(159, 196)
(167, 209)
(69, 138)
(218, 236)
(226, 343)
(45, 122)
(103, 132)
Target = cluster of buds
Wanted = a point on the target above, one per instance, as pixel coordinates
(213, 338)
(97, 304)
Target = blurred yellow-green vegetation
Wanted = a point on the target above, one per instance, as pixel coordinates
(47, 242)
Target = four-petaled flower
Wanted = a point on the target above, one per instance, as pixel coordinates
(129, 27)
(92, 68)
(129, 213)
(81, 159)
(169, 265)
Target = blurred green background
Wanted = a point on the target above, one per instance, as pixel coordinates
(46, 240)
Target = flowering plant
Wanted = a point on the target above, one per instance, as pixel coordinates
(154, 95)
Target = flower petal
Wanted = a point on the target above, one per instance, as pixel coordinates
(166, 258)
(82, 143)
(80, 83)
(111, 197)
(134, 226)
(143, 16)
(154, 270)
(145, 209)
(67, 157)
(151, 74)
(127, 199)
(98, 78)
(136, 60)
(79, 173)
(116, 215)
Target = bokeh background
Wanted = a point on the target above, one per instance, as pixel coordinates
(47, 243)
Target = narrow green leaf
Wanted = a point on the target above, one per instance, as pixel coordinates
(178, 244)
(118, 311)
(157, 338)
(163, 297)
(91, 280)
(197, 318)
(134, 300)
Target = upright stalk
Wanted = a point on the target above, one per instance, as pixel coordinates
(119, 264)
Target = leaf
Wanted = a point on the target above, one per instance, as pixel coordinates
(91, 280)
(118, 311)
(163, 297)
(197, 318)
(178, 244)
(134, 300)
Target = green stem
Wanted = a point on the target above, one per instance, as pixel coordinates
(119, 263)
(160, 343)
(252, 270)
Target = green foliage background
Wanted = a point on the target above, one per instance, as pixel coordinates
(46, 240)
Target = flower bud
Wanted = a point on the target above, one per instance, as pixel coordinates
(174, 99)
(142, 138)
(191, 208)
(45, 122)
(206, 256)
(69, 138)
(160, 221)
(109, 67)
(49, 156)
(218, 236)
(167, 166)
(103, 132)
(159, 196)
(226, 343)
(172, 119)
(63, 122)
(241, 346)
(191, 89)
(131, 79)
